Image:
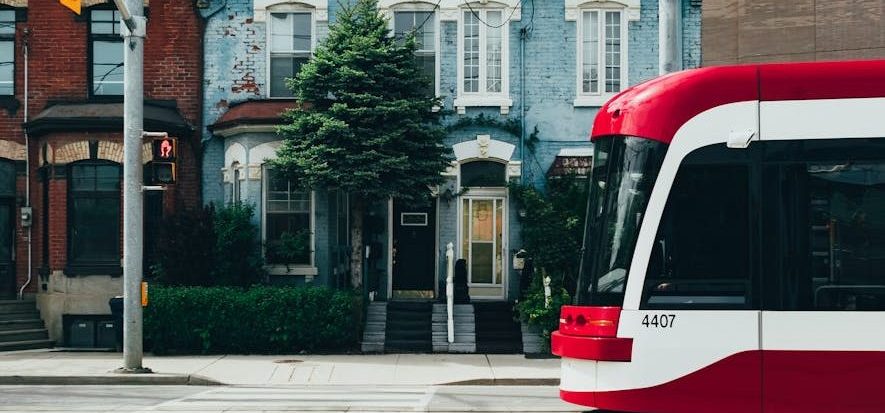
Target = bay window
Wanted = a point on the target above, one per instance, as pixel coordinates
(288, 222)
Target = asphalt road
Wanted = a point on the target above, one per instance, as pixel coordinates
(286, 399)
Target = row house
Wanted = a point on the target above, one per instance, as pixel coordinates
(505, 69)
(61, 87)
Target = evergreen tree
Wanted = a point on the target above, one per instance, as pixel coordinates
(365, 124)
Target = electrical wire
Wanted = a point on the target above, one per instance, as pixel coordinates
(503, 23)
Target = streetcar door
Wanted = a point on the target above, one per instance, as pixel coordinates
(823, 342)
(696, 332)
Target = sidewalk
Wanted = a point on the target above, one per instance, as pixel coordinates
(59, 367)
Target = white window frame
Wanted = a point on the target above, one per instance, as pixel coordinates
(409, 6)
(309, 270)
(601, 96)
(483, 98)
(286, 9)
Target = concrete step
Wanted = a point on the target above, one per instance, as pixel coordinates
(16, 306)
(372, 347)
(375, 325)
(463, 318)
(25, 345)
(23, 335)
(408, 346)
(31, 324)
(22, 315)
(375, 337)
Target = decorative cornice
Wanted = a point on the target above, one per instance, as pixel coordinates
(320, 8)
(573, 7)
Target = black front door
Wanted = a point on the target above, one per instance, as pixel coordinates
(7, 265)
(414, 245)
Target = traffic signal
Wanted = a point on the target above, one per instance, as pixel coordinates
(165, 152)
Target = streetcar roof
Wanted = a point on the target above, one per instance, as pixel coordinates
(656, 109)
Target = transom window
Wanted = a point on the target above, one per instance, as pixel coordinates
(107, 52)
(7, 52)
(287, 218)
(601, 52)
(291, 43)
(483, 51)
(94, 213)
(423, 25)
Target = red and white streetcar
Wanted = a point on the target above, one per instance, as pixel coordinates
(735, 248)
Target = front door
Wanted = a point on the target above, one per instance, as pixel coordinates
(414, 248)
(7, 265)
(482, 245)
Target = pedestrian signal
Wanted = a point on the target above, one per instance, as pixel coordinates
(165, 152)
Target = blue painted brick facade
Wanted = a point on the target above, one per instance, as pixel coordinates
(236, 71)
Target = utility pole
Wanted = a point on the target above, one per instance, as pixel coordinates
(133, 32)
(669, 36)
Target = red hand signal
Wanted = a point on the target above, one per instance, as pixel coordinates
(165, 149)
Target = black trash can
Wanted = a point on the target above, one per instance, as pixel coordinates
(116, 304)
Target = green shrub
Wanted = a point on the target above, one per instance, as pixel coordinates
(533, 310)
(260, 319)
(238, 258)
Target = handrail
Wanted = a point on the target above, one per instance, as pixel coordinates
(450, 290)
(547, 292)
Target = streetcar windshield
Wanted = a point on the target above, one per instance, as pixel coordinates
(623, 175)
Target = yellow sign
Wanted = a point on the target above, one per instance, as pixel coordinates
(144, 294)
(71, 4)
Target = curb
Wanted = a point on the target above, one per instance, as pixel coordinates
(112, 379)
(504, 382)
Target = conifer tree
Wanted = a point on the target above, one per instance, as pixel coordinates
(365, 124)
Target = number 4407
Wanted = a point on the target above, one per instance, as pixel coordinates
(659, 320)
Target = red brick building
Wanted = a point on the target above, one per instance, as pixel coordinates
(61, 85)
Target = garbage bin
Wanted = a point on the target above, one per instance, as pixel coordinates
(116, 304)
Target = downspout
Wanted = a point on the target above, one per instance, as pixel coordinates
(27, 166)
(523, 37)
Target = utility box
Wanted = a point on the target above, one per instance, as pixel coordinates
(93, 331)
(105, 334)
(81, 333)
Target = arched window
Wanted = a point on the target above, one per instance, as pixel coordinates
(94, 217)
(483, 174)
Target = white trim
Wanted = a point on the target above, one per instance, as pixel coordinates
(483, 148)
(264, 152)
(389, 249)
(402, 220)
(573, 8)
(288, 8)
(450, 9)
(235, 152)
(587, 99)
(293, 269)
(481, 98)
(411, 6)
(494, 196)
(260, 7)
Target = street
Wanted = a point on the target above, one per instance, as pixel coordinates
(289, 398)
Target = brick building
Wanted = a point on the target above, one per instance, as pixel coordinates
(748, 31)
(61, 85)
(543, 64)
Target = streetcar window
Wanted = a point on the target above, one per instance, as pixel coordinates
(701, 257)
(831, 253)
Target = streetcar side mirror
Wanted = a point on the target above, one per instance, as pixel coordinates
(740, 139)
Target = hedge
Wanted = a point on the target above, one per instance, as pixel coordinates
(261, 319)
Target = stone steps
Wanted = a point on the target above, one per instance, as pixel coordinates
(21, 327)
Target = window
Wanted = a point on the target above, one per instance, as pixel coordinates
(291, 42)
(287, 231)
(828, 205)
(483, 174)
(483, 58)
(601, 55)
(701, 257)
(107, 52)
(94, 214)
(7, 52)
(422, 24)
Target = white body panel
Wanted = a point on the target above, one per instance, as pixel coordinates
(822, 119)
(823, 330)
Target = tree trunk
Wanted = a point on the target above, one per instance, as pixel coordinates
(357, 209)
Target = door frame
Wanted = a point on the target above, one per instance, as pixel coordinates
(490, 194)
(436, 254)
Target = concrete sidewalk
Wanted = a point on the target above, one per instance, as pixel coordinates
(59, 367)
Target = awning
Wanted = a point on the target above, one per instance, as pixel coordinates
(160, 116)
(571, 161)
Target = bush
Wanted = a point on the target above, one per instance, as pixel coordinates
(238, 258)
(209, 247)
(275, 320)
(533, 310)
(185, 248)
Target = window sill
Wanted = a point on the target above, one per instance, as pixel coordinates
(277, 269)
(593, 101)
(462, 103)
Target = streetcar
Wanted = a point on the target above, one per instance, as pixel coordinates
(735, 245)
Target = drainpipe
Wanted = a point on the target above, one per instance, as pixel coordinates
(669, 36)
(27, 166)
(523, 37)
